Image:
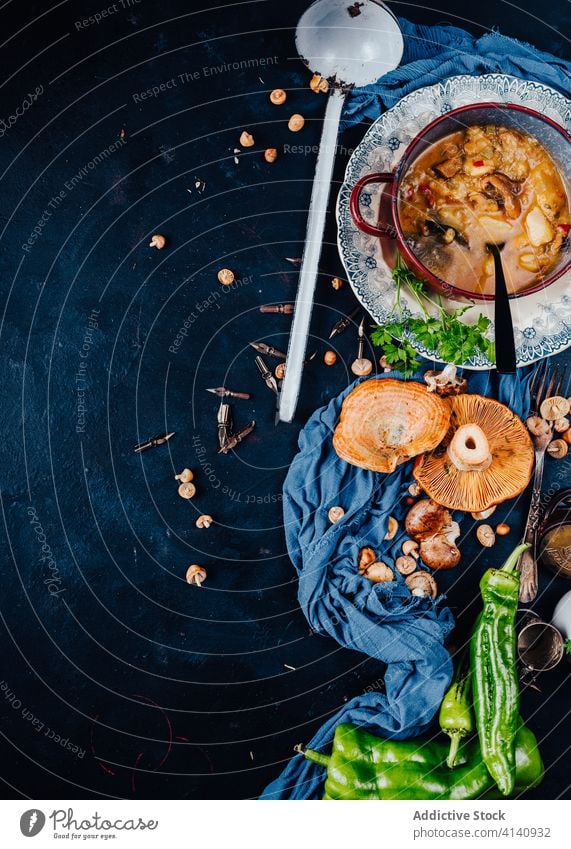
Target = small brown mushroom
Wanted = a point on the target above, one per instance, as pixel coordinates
(379, 573)
(405, 564)
(554, 408)
(537, 426)
(226, 277)
(502, 529)
(361, 367)
(271, 154)
(278, 96)
(296, 123)
(392, 528)
(558, 449)
(486, 536)
(484, 514)
(445, 382)
(366, 557)
(410, 547)
(415, 489)
(561, 425)
(335, 513)
(438, 552)
(384, 363)
(157, 241)
(185, 476)
(426, 518)
(422, 584)
(330, 358)
(567, 437)
(187, 490)
(196, 575)
(204, 521)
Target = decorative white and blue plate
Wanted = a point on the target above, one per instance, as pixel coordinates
(542, 320)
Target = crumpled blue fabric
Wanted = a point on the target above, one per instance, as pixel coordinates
(382, 620)
(432, 54)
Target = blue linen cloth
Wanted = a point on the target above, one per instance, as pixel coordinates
(432, 54)
(382, 620)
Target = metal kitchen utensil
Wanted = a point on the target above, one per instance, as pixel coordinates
(349, 44)
(545, 382)
(503, 324)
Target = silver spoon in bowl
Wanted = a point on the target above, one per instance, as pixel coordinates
(350, 44)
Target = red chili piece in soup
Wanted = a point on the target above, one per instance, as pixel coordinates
(482, 185)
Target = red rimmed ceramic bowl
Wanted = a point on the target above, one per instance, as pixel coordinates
(553, 137)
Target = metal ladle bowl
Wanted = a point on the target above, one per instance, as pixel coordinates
(350, 44)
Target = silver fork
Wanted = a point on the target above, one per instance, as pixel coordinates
(553, 379)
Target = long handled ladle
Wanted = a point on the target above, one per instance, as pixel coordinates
(350, 44)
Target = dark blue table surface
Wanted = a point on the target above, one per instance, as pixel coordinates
(116, 678)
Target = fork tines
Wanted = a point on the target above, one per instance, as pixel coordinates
(557, 377)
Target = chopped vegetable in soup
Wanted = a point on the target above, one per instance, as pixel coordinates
(482, 185)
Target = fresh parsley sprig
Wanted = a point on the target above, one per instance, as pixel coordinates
(451, 340)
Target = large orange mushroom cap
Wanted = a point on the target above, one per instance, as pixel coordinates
(505, 476)
(385, 422)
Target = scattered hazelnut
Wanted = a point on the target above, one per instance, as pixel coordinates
(410, 548)
(271, 154)
(567, 437)
(246, 140)
(554, 408)
(392, 528)
(558, 449)
(415, 489)
(226, 277)
(561, 425)
(502, 529)
(335, 513)
(379, 573)
(409, 500)
(366, 557)
(405, 564)
(486, 536)
(384, 363)
(361, 367)
(278, 96)
(195, 575)
(330, 358)
(295, 123)
(336, 283)
(280, 371)
(485, 514)
(187, 490)
(185, 476)
(204, 521)
(157, 241)
(318, 84)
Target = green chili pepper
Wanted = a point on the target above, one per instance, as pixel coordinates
(494, 671)
(456, 709)
(362, 766)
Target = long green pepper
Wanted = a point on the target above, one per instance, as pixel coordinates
(494, 671)
(455, 716)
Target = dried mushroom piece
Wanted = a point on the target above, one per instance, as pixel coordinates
(385, 422)
(506, 476)
(445, 382)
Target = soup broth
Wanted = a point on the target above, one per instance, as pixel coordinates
(481, 185)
